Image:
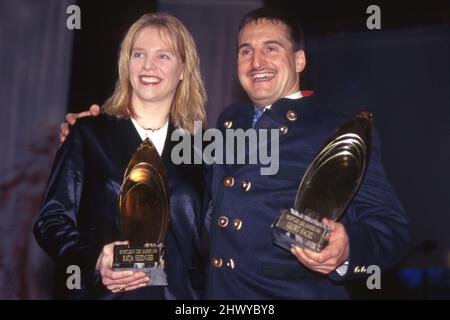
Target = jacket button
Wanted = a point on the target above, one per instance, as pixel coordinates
(228, 124)
(228, 182)
(283, 129)
(246, 185)
(237, 224)
(230, 263)
(291, 115)
(216, 262)
(223, 221)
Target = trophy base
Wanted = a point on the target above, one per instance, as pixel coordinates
(148, 258)
(294, 228)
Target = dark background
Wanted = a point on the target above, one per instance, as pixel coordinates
(94, 67)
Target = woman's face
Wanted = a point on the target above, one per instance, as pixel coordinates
(155, 69)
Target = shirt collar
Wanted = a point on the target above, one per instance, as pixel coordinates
(295, 95)
(157, 137)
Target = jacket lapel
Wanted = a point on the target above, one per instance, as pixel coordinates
(126, 136)
(168, 145)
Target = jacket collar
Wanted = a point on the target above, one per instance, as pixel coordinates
(282, 106)
(125, 135)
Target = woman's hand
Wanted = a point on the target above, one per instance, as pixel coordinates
(118, 281)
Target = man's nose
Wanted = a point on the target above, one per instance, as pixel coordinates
(258, 59)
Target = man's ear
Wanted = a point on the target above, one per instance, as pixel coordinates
(300, 60)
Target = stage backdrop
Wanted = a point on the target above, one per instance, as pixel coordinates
(402, 76)
(35, 56)
(214, 25)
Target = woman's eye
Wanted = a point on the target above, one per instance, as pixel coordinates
(164, 56)
(138, 54)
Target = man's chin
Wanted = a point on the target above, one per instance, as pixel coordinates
(261, 97)
(261, 102)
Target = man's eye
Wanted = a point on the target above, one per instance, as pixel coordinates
(271, 49)
(245, 52)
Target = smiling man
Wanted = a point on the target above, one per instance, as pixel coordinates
(269, 61)
(243, 261)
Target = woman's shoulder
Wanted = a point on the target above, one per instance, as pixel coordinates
(96, 127)
(97, 123)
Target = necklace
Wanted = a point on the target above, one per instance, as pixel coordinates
(152, 129)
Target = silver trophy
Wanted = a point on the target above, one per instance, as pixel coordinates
(327, 187)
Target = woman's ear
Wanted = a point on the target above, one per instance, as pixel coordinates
(182, 73)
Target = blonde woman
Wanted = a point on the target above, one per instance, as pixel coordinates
(159, 89)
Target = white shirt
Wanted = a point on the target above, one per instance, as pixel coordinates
(158, 137)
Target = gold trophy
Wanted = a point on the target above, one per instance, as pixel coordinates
(327, 187)
(144, 215)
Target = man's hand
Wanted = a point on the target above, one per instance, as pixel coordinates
(118, 281)
(332, 256)
(71, 118)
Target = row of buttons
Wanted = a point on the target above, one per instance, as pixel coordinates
(359, 269)
(218, 262)
(291, 115)
(229, 124)
(229, 182)
(223, 222)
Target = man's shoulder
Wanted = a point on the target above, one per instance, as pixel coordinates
(235, 110)
(94, 127)
(316, 108)
(311, 105)
(328, 114)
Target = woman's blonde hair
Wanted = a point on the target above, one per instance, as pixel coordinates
(190, 96)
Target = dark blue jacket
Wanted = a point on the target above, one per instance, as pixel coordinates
(79, 213)
(243, 261)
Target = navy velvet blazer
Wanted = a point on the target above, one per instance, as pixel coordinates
(79, 213)
(244, 263)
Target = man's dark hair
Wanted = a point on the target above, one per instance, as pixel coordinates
(276, 16)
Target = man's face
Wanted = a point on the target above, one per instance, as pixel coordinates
(268, 67)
